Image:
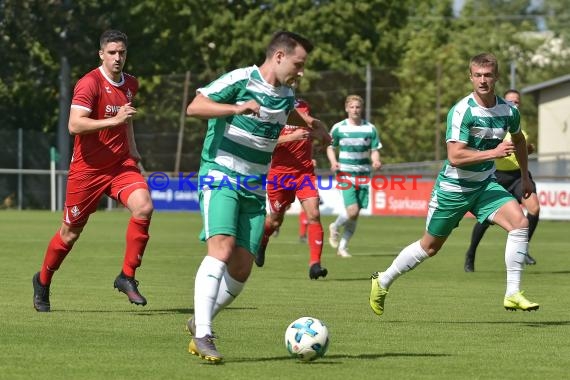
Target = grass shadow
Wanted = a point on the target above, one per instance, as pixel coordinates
(334, 359)
(145, 311)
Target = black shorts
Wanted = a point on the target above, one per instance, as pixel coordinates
(511, 180)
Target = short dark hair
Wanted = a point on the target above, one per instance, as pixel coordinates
(287, 41)
(511, 91)
(112, 35)
(484, 59)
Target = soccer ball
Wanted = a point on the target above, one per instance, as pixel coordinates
(307, 339)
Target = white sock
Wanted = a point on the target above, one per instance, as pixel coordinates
(228, 292)
(515, 253)
(349, 228)
(409, 258)
(206, 287)
(340, 221)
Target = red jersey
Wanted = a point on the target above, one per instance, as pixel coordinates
(294, 156)
(102, 97)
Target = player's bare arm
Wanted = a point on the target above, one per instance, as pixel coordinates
(521, 154)
(321, 133)
(319, 129)
(331, 155)
(133, 151)
(375, 158)
(80, 123)
(459, 154)
(297, 134)
(520, 145)
(203, 107)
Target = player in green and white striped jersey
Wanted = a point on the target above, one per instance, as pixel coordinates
(476, 126)
(247, 109)
(358, 144)
(241, 145)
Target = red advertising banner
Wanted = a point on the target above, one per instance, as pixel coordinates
(410, 199)
(554, 198)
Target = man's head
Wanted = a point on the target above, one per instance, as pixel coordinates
(484, 73)
(113, 51)
(353, 107)
(288, 52)
(513, 96)
(112, 36)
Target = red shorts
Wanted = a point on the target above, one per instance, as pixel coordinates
(85, 190)
(283, 188)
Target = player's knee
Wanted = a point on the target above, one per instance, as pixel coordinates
(276, 223)
(432, 249)
(240, 264)
(143, 211)
(147, 210)
(69, 236)
(352, 212)
(521, 222)
(313, 216)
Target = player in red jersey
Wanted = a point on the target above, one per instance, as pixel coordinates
(104, 162)
(292, 173)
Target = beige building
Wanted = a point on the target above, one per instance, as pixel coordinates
(553, 100)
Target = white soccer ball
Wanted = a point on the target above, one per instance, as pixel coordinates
(307, 339)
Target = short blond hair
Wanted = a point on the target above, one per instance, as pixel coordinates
(484, 60)
(353, 98)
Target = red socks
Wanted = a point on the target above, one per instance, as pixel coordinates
(315, 239)
(267, 232)
(137, 237)
(55, 254)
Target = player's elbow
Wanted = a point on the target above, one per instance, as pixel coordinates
(76, 128)
(73, 129)
(456, 163)
(454, 160)
(191, 111)
(196, 111)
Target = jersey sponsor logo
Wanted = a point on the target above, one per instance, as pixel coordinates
(111, 110)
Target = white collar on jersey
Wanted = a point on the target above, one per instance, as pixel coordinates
(116, 84)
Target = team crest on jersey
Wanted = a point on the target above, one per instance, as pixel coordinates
(277, 205)
(75, 211)
(129, 94)
(107, 89)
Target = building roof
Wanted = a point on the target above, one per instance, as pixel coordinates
(543, 85)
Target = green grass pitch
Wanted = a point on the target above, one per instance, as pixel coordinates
(440, 322)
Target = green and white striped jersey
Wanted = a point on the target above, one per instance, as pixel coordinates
(481, 129)
(354, 143)
(237, 146)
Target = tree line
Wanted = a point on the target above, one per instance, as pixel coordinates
(419, 50)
